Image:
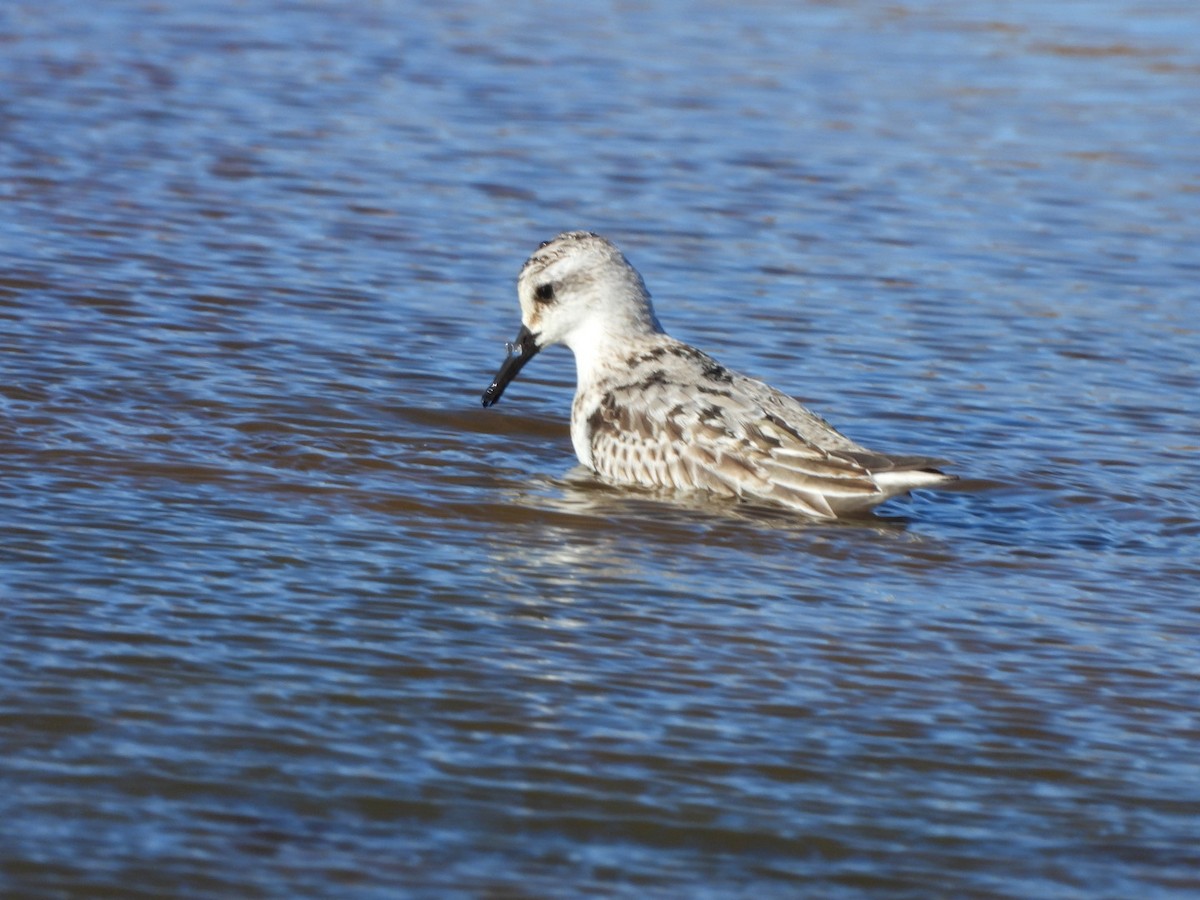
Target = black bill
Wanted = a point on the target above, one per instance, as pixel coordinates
(520, 351)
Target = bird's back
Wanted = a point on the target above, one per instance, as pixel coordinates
(670, 416)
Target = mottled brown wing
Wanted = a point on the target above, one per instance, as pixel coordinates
(721, 445)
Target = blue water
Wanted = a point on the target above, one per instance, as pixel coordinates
(287, 614)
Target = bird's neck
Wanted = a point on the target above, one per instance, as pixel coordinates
(599, 352)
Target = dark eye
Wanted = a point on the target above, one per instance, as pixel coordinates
(544, 292)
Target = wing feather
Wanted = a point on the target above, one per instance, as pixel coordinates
(697, 425)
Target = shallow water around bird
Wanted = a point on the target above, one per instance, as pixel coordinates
(287, 614)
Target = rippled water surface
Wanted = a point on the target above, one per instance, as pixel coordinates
(286, 614)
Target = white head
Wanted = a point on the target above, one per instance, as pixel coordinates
(580, 282)
(577, 290)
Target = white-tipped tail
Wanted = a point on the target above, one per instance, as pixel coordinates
(899, 481)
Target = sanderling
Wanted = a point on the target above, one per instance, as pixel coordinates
(650, 410)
